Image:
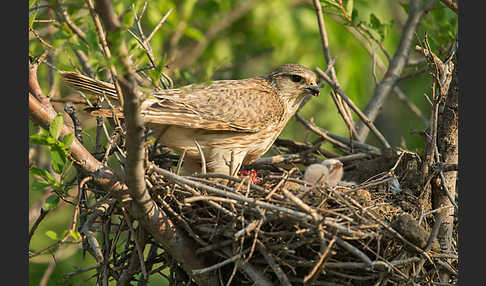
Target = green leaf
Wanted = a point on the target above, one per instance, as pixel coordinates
(128, 18)
(43, 174)
(58, 156)
(377, 25)
(56, 126)
(75, 235)
(40, 139)
(51, 202)
(156, 73)
(52, 235)
(32, 18)
(66, 30)
(354, 17)
(39, 185)
(64, 233)
(349, 7)
(92, 39)
(194, 33)
(187, 8)
(31, 3)
(374, 21)
(67, 140)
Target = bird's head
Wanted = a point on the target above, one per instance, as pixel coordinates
(335, 168)
(294, 82)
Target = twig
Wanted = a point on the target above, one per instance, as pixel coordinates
(401, 95)
(275, 267)
(220, 264)
(338, 140)
(343, 108)
(110, 21)
(235, 196)
(77, 125)
(140, 245)
(157, 27)
(203, 160)
(64, 16)
(42, 215)
(362, 116)
(396, 66)
(432, 237)
(319, 265)
(163, 230)
(452, 5)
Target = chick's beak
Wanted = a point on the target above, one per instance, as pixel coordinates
(314, 89)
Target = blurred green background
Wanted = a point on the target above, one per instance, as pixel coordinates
(220, 39)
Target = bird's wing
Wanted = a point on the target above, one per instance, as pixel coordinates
(248, 105)
(235, 105)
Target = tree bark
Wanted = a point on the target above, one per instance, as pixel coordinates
(447, 135)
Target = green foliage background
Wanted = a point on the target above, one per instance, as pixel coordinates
(271, 33)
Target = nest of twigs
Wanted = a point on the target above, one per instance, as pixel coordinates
(364, 233)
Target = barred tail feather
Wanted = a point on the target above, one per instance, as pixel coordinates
(87, 84)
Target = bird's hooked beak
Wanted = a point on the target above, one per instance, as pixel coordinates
(313, 89)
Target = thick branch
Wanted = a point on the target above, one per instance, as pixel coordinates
(448, 148)
(396, 66)
(163, 230)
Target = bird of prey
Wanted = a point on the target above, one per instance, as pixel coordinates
(234, 121)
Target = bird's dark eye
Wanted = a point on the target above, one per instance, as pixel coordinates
(296, 78)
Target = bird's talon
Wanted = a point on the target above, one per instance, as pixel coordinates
(253, 175)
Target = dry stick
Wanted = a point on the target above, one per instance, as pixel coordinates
(443, 77)
(235, 196)
(250, 201)
(432, 237)
(65, 17)
(286, 158)
(220, 264)
(42, 215)
(157, 223)
(400, 94)
(342, 108)
(104, 45)
(336, 139)
(256, 224)
(284, 280)
(137, 244)
(361, 115)
(443, 180)
(135, 131)
(203, 160)
(319, 264)
(312, 127)
(49, 46)
(396, 66)
(157, 27)
(179, 163)
(145, 43)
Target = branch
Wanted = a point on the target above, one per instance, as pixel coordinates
(362, 116)
(398, 63)
(342, 107)
(452, 5)
(163, 230)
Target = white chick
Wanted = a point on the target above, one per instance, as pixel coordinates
(329, 172)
